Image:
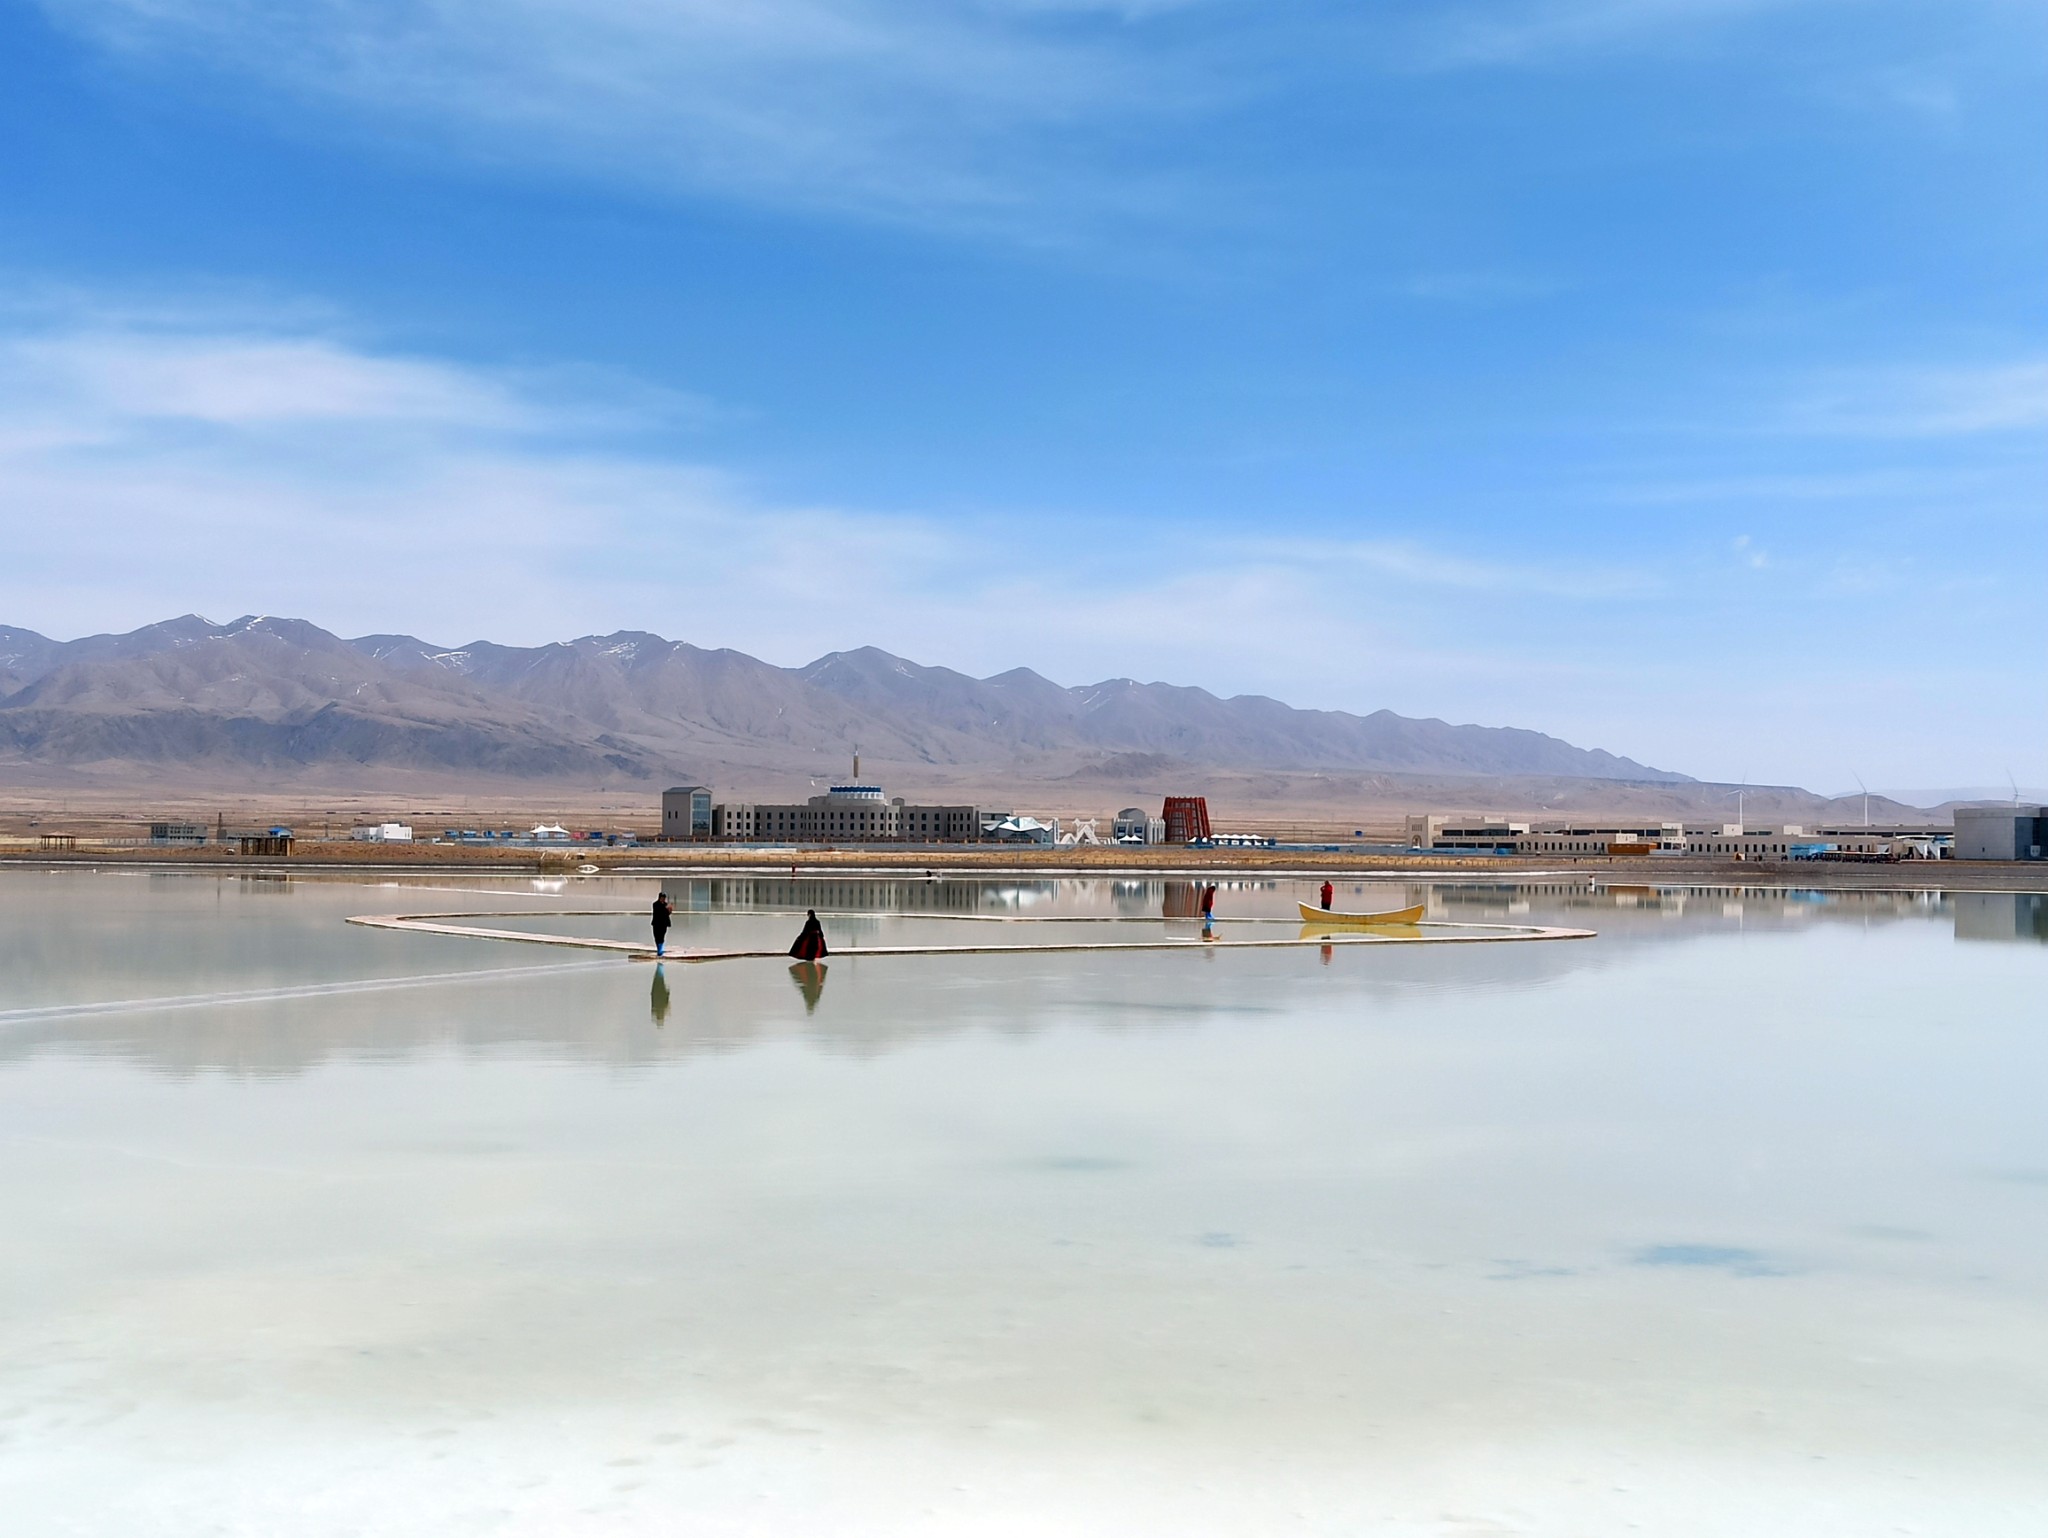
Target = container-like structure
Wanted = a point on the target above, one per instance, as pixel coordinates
(1187, 819)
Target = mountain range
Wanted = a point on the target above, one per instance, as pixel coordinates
(282, 697)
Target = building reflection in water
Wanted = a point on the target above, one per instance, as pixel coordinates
(503, 1007)
(2002, 916)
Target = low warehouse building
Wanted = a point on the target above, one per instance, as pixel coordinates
(2001, 832)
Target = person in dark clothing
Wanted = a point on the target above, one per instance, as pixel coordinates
(664, 910)
(1208, 909)
(810, 940)
(1328, 893)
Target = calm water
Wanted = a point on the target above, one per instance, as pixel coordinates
(1731, 1221)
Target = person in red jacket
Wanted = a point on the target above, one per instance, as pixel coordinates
(1328, 893)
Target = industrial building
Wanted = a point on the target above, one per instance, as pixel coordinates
(860, 812)
(1789, 841)
(852, 813)
(2001, 832)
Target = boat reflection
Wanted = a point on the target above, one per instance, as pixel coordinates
(1360, 931)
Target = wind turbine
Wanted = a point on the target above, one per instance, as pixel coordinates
(1738, 794)
(1866, 796)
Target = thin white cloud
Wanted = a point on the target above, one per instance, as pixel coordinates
(1424, 566)
(244, 381)
(236, 465)
(1938, 401)
(1812, 487)
(253, 466)
(1540, 31)
(934, 111)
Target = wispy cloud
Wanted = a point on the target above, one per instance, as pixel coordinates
(1936, 401)
(250, 462)
(946, 112)
(125, 377)
(1036, 119)
(1803, 487)
(1506, 33)
(248, 465)
(1425, 566)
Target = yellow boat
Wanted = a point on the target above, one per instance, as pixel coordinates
(1359, 920)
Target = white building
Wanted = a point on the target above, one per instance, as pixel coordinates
(1728, 840)
(1135, 825)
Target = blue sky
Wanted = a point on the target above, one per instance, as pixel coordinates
(1667, 374)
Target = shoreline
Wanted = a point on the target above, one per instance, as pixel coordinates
(969, 862)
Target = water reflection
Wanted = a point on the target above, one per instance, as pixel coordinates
(2002, 916)
(809, 977)
(1717, 1214)
(72, 948)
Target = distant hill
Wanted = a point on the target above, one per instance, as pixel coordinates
(282, 696)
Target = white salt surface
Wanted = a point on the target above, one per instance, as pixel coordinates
(1733, 1221)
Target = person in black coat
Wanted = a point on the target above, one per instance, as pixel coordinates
(664, 910)
(810, 940)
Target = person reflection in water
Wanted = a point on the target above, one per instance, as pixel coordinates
(657, 997)
(664, 910)
(810, 940)
(809, 977)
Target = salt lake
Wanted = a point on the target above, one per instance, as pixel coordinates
(1732, 1219)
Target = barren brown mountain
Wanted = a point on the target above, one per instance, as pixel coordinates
(275, 702)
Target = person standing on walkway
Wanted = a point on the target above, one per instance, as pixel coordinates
(1328, 893)
(810, 940)
(664, 911)
(1208, 909)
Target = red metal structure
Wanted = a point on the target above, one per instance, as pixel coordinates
(1187, 819)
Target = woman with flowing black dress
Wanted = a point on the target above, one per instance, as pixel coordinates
(810, 940)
